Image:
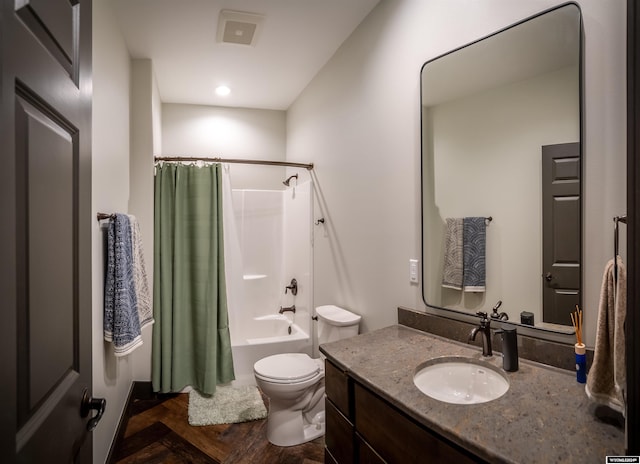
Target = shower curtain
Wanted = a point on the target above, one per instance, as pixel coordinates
(233, 262)
(191, 341)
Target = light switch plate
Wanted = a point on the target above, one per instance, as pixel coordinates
(413, 271)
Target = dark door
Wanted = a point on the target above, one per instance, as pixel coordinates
(561, 219)
(45, 230)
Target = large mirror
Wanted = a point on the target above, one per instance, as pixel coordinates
(501, 173)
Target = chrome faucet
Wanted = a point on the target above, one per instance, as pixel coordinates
(485, 330)
(291, 308)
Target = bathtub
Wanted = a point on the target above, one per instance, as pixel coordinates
(264, 336)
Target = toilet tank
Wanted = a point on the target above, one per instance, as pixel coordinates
(335, 323)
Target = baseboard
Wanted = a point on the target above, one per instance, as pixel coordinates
(142, 390)
(138, 390)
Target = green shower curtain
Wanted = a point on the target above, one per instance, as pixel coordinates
(191, 341)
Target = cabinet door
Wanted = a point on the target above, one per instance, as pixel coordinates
(339, 389)
(328, 458)
(339, 435)
(396, 437)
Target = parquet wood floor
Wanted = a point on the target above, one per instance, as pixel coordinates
(157, 431)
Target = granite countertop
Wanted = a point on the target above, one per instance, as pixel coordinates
(545, 417)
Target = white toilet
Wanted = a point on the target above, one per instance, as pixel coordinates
(294, 382)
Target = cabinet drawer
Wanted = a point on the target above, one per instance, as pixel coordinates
(328, 458)
(338, 388)
(366, 454)
(339, 435)
(396, 437)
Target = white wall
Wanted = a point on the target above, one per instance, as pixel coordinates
(144, 141)
(110, 193)
(213, 131)
(359, 122)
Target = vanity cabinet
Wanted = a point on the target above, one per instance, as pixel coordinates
(362, 427)
(339, 416)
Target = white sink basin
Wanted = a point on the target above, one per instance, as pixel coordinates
(460, 380)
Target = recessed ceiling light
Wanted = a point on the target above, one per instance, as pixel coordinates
(223, 90)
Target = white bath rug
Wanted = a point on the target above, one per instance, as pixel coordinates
(229, 405)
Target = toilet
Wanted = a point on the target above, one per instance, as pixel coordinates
(294, 382)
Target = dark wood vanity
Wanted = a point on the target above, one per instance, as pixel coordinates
(364, 428)
(375, 413)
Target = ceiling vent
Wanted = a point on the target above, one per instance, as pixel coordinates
(237, 27)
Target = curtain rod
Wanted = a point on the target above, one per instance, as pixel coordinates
(230, 160)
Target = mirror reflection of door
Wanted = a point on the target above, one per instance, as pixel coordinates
(561, 207)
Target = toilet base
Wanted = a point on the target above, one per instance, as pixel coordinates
(313, 431)
(289, 428)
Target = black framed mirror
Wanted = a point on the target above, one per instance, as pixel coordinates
(502, 187)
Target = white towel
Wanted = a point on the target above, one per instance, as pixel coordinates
(607, 379)
(143, 296)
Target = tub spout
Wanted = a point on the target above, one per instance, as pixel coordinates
(291, 308)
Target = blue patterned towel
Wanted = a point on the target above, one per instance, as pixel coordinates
(474, 245)
(453, 257)
(121, 321)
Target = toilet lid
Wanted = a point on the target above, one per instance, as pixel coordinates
(287, 367)
(337, 316)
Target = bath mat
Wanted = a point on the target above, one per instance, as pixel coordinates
(229, 405)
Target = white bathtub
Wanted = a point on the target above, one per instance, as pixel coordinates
(264, 336)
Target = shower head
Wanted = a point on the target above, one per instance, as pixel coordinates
(286, 182)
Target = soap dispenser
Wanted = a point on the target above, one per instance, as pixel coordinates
(509, 347)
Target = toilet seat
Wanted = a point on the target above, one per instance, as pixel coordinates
(287, 368)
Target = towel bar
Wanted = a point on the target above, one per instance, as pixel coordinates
(616, 221)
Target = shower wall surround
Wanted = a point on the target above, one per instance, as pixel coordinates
(273, 233)
(267, 244)
(259, 222)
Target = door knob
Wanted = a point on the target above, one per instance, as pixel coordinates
(89, 403)
(548, 277)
